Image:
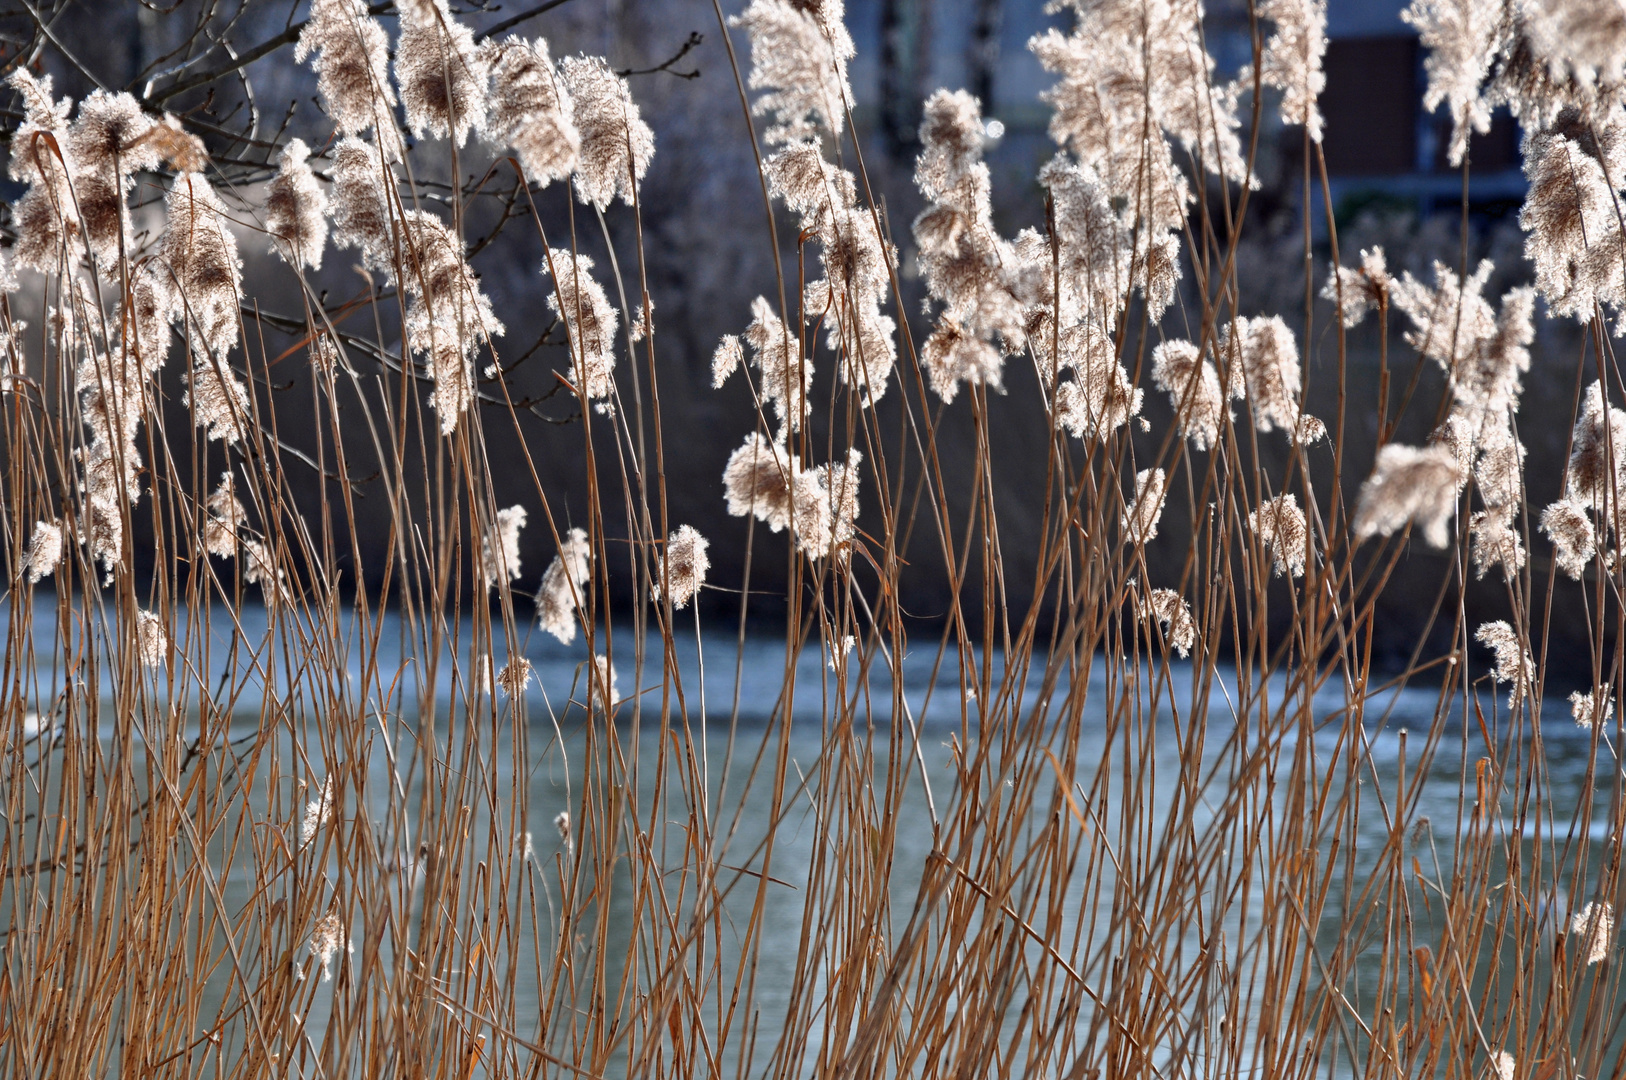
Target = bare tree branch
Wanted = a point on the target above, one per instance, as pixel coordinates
(287, 37)
(695, 38)
(493, 31)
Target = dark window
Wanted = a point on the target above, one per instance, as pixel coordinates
(1494, 151)
(1370, 106)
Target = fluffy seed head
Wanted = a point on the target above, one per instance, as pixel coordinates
(1512, 664)
(219, 400)
(1292, 58)
(588, 318)
(45, 550)
(563, 587)
(1194, 391)
(1459, 36)
(224, 518)
(327, 940)
(530, 110)
(449, 317)
(352, 66)
(361, 209)
(151, 640)
(1281, 528)
(1595, 926)
(726, 360)
(296, 209)
(202, 255)
(952, 356)
(500, 556)
(616, 144)
(1569, 527)
(799, 54)
(1597, 463)
(1172, 612)
(319, 812)
(1269, 358)
(787, 375)
(1146, 509)
(683, 565)
(513, 677)
(1584, 707)
(1407, 485)
(1360, 288)
(442, 74)
(1496, 542)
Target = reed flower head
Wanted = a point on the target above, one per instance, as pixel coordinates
(105, 145)
(45, 551)
(726, 360)
(1452, 322)
(1146, 509)
(218, 399)
(361, 205)
(296, 209)
(1281, 528)
(1460, 36)
(151, 639)
(952, 356)
(327, 940)
(1570, 209)
(564, 586)
(604, 689)
(46, 218)
(616, 144)
(224, 518)
(1360, 289)
(449, 316)
(766, 480)
(201, 253)
(1173, 614)
(1496, 542)
(1407, 485)
(839, 482)
(787, 375)
(588, 318)
(1499, 470)
(500, 555)
(1597, 465)
(813, 188)
(1585, 707)
(1581, 45)
(1269, 357)
(561, 822)
(1292, 58)
(1098, 403)
(352, 66)
(1569, 527)
(1595, 926)
(260, 568)
(319, 812)
(110, 135)
(799, 54)
(759, 479)
(514, 676)
(1512, 663)
(531, 111)
(683, 566)
(442, 75)
(1179, 370)
(1100, 398)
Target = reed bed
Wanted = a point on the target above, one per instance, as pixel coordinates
(277, 806)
